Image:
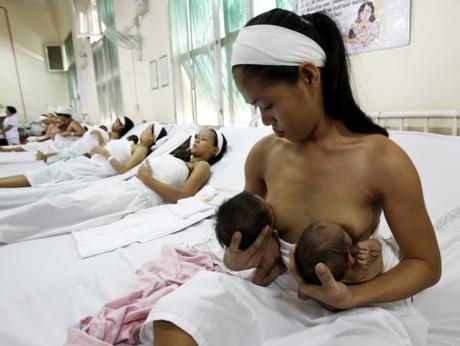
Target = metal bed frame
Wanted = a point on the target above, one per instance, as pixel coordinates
(404, 117)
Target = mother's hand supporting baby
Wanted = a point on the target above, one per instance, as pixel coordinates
(333, 294)
(268, 265)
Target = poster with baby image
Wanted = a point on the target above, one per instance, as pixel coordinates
(366, 25)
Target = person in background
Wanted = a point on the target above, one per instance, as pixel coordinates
(10, 126)
(120, 127)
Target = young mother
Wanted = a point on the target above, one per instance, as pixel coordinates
(337, 166)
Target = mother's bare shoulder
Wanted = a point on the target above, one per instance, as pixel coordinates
(386, 159)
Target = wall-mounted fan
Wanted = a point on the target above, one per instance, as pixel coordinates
(125, 40)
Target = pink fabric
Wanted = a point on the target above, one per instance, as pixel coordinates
(118, 319)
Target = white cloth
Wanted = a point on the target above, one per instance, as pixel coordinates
(18, 156)
(95, 205)
(78, 169)
(87, 142)
(64, 109)
(50, 146)
(275, 45)
(12, 135)
(119, 149)
(390, 251)
(82, 168)
(255, 315)
(12, 198)
(186, 207)
(142, 226)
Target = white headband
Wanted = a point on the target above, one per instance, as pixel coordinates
(122, 120)
(220, 141)
(275, 45)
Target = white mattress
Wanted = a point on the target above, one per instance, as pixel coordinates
(46, 287)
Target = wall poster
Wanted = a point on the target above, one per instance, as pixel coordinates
(366, 25)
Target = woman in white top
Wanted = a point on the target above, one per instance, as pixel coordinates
(10, 126)
(162, 178)
(117, 157)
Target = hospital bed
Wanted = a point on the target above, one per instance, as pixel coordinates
(16, 197)
(46, 286)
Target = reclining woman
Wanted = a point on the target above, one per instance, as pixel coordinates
(42, 150)
(325, 161)
(162, 178)
(117, 157)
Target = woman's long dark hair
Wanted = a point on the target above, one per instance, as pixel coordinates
(128, 126)
(339, 102)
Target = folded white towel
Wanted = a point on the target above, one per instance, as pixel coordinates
(186, 207)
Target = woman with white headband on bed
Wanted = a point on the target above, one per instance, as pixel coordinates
(95, 136)
(117, 157)
(161, 178)
(325, 161)
(52, 146)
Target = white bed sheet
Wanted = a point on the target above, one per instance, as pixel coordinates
(46, 287)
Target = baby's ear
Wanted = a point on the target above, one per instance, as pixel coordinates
(351, 259)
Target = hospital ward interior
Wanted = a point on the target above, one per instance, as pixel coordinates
(229, 172)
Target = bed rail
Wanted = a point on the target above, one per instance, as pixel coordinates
(380, 117)
(403, 117)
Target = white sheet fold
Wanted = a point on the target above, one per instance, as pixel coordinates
(143, 226)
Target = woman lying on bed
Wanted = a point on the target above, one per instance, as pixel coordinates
(162, 178)
(96, 136)
(63, 149)
(325, 161)
(117, 157)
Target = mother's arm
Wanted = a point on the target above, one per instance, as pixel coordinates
(196, 180)
(399, 186)
(137, 156)
(268, 265)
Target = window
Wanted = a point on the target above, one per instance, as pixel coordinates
(72, 80)
(202, 35)
(106, 67)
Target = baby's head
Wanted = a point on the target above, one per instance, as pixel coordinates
(246, 213)
(323, 242)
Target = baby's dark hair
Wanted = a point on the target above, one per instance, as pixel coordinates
(133, 138)
(317, 246)
(126, 127)
(244, 213)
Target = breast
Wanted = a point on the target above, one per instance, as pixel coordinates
(321, 189)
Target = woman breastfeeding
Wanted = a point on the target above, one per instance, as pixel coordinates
(95, 136)
(161, 178)
(325, 161)
(117, 157)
